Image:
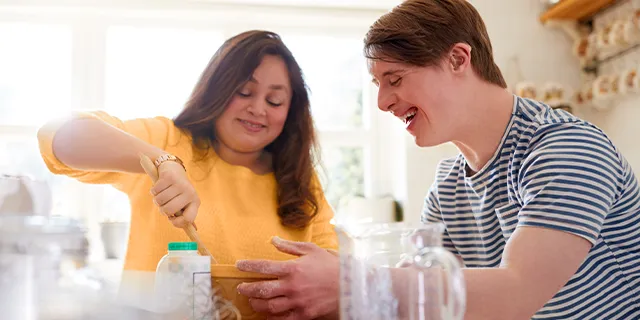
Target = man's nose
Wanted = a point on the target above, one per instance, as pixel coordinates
(386, 100)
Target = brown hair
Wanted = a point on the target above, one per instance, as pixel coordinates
(292, 151)
(421, 33)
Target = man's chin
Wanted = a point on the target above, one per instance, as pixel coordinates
(426, 143)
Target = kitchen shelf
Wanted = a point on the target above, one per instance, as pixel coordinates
(575, 9)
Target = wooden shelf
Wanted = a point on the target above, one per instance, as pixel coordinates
(574, 9)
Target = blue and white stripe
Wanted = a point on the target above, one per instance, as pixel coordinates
(556, 171)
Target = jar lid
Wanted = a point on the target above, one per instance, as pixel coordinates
(178, 246)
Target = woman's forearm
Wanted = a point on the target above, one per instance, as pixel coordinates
(91, 144)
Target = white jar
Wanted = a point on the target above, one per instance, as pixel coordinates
(183, 281)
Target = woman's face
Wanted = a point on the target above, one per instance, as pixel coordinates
(257, 113)
(422, 97)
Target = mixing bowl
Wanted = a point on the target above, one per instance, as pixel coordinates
(225, 280)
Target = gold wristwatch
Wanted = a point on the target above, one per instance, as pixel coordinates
(168, 157)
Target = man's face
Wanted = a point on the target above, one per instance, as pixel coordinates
(422, 97)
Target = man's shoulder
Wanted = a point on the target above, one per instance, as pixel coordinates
(534, 114)
(540, 123)
(447, 167)
(554, 137)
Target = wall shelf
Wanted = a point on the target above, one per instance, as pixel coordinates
(575, 9)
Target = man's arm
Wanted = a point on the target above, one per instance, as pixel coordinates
(536, 264)
(568, 184)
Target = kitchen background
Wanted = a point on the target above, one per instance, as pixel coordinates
(140, 58)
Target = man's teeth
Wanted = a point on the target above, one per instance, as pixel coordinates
(253, 125)
(408, 116)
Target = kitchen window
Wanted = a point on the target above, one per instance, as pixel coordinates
(35, 85)
(35, 72)
(150, 71)
(335, 69)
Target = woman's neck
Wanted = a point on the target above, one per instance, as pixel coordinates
(483, 132)
(259, 161)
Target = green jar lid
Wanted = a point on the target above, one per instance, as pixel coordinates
(176, 246)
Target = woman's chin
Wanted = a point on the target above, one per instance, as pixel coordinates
(248, 146)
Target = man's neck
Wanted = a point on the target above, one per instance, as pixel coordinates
(490, 109)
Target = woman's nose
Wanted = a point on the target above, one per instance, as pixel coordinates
(257, 108)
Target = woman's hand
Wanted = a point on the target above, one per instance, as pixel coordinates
(173, 193)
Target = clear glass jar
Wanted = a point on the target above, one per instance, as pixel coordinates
(398, 271)
(42, 261)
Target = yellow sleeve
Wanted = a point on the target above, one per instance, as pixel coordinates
(323, 232)
(156, 131)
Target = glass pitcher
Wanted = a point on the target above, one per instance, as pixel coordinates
(398, 271)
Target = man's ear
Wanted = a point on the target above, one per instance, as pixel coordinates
(460, 57)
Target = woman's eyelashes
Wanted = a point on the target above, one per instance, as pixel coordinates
(274, 104)
(271, 102)
(395, 82)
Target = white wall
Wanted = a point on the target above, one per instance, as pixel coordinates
(620, 120)
(620, 123)
(544, 55)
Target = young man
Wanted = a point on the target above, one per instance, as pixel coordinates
(540, 206)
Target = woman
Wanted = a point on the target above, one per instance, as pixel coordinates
(238, 159)
(540, 206)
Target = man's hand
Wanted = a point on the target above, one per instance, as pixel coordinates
(307, 288)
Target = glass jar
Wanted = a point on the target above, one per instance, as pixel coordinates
(398, 271)
(41, 267)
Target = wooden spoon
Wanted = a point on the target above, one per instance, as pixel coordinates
(191, 232)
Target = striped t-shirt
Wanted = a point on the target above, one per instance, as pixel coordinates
(556, 171)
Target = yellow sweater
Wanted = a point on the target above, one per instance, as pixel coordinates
(237, 216)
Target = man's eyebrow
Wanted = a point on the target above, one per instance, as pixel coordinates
(391, 72)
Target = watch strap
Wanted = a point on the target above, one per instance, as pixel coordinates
(168, 157)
